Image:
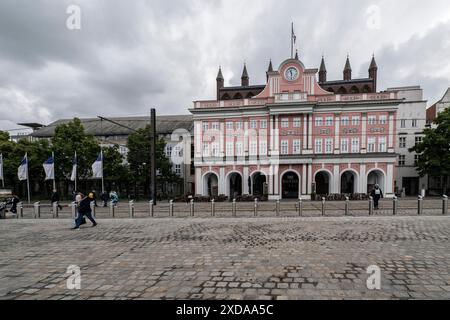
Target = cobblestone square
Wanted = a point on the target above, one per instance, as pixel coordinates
(227, 258)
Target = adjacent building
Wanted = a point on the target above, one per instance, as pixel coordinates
(438, 107)
(296, 135)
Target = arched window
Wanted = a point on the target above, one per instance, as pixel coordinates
(226, 96)
(330, 89)
(354, 89)
(342, 90)
(237, 96)
(366, 89)
(249, 95)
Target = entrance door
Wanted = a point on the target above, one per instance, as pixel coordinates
(290, 183)
(411, 186)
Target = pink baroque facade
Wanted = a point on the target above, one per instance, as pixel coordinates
(294, 139)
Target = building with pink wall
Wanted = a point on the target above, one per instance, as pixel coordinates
(292, 138)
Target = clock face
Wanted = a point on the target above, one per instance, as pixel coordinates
(291, 74)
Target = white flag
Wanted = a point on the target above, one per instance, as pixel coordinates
(22, 172)
(97, 167)
(1, 167)
(73, 177)
(49, 168)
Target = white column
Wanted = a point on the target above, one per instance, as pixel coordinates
(270, 180)
(221, 187)
(245, 182)
(304, 182)
(276, 178)
(222, 138)
(277, 135)
(310, 132)
(335, 179)
(363, 133)
(337, 123)
(305, 132)
(198, 181)
(362, 179)
(246, 137)
(198, 138)
(389, 179)
(271, 132)
(310, 179)
(391, 133)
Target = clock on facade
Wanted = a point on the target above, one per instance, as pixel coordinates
(291, 74)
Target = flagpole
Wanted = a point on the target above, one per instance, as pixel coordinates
(28, 179)
(103, 181)
(54, 174)
(76, 172)
(292, 40)
(3, 174)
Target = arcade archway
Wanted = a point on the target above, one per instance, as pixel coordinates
(290, 182)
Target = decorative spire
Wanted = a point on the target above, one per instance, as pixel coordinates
(347, 69)
(322, 71)
(373, 63)
(219, 75)
(323, 68)
(244, 77)
(296, 54)
(270, 69)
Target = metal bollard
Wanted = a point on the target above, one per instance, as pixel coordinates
(112, 210)
(131, 208)
(55, 210)
(233, 208)
(213, 208)
(420, 205)
(192, 207)
(277, 207)
(323, 206)
(171, 208)
(347, 205)
(73, 207)
(370, 206)
(20, 208)
(444, 205)
(255, 213)
(394, 205)
(152, 213)
(37, 210)
(93, 209)
(300, 207)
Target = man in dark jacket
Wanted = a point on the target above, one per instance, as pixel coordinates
(55, 198)
(376, 194)
(84, 209)
(14, 201)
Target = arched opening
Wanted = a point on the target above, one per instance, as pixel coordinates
(330, 89)
(375, 177)
(342, 90)
(210, 185)
(366, 89)
(234, 185)
(322, 181)
(348, 182)
(250, 95)
(257, 187)
(290, 185)
(226, 96)
(354, 89)
(237, 96)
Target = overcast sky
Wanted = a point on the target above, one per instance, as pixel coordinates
(129, 56)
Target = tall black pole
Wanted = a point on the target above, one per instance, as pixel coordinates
(153, 138)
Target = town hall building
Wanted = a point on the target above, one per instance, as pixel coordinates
(297, 135)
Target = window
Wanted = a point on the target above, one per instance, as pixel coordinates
(371, 145)
(229, 151)
(418, 140)
(178, 168)
(296, 147)
(355, 121)
(402, 123)
(372, 120)
(344, 145)
(253, 148)
(328, 145)
(355, 145)
(402, 142)
(345, 121)
(205, 126)
(215, 149)
(318, 145)
(329, 121)
(253, 124)
(239, 148)
(416, 160)
(383, 119)
(319, 122)
(178, 151)
(215, 126)
(205, 149)
(285, 123)
(169, 150)
(382, 144)
(263, 124)
(238, 125)
(229, 125)
(296, 122)
(414, 123)
(263, 148)
(401, 160)
(284, 147)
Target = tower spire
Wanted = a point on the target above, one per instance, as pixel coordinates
(347, 69)
(322, 71)
(244, 78)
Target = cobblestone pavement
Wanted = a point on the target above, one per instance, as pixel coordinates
(227, 258)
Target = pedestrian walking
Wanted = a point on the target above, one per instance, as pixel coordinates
(14, 201)
(84, 209)
(55, 198)
(104, 197)
(376, 194)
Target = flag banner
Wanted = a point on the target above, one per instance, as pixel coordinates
(73, 177)
(22, 171)
(97, 167)
(1, 167)
(49, 168)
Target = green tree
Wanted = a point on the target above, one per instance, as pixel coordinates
(139, 161)
(115, 172)
(434, 150)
